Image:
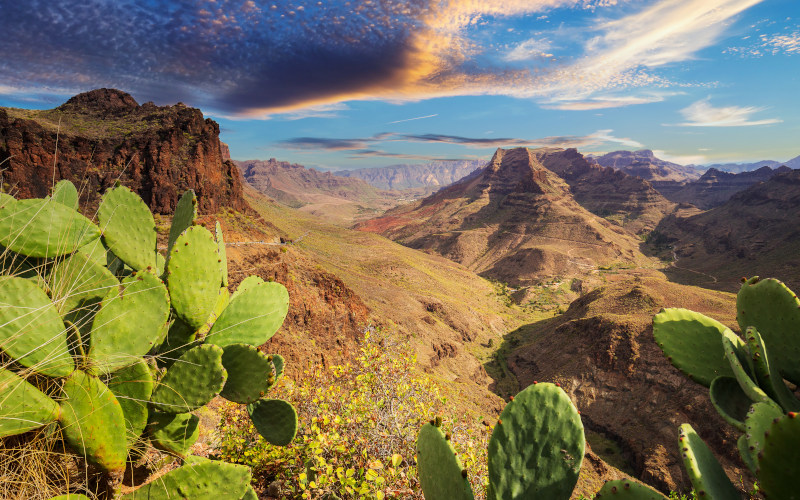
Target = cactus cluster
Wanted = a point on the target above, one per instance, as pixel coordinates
(116, 344)
(746, 378)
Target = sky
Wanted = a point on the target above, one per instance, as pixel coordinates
(338, 84)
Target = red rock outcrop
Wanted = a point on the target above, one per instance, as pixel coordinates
(102, 136)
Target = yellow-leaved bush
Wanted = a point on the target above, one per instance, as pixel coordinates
(358, 427)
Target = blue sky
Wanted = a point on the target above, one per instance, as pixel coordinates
(337, 84)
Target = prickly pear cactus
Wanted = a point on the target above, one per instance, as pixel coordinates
(441, 474)
(92, 312)
(623, 489)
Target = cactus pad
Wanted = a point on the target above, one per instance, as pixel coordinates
(129, 324)
(180, 338)
(192, 381)
(77, 279)
(749, 387)
(252, 316)
(730, 401)
(133, 386)
(766, 373)
(537, 447)
(277, 362)
(65, 193)
(246, 283)
(704, 471)
(440, 471)
(249, 373)
(198, 478)
(274, 419)
(44, 228)
(193, 276)
(31, 331)
(92, 422)
(223, 254)
(774, 310)
(691, 342)
(185, 214)
(23, 407)
(759, 419)
(779, 461)
(173, 433)
(128, 228)
(624, 489)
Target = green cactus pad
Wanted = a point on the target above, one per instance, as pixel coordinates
(65, 193)
(173, 433)
(79, 279)
(180, 338)
(277, 362)
(129, 324)
(223, 298)
(93, 423)
(223, 254)
(779, 460)
(252, 316)
(441, 474)
(766, 374)
(185, 214)
(744, 453)
(274, 419)
(537, 447)
(128, 228)
(198, 478)
(249, 372)
(44, 228)
(192, 381)
(31, 331)
(161, 264)
(133, 386)
(774, 310)
(96, 251)
(749, 387)
(691, 342)
(704, 471)
(730, 401)
(246, 283)
(250, 494)
(23, 407)
(624, 489)
(759, 419)
(193, 276)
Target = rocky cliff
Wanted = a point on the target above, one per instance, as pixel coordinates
(516, 220)
(716, 187)
(432, 175)
(102, 136)
(646, 165)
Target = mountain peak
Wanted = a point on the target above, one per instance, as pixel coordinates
(103, 102)
(519, 170)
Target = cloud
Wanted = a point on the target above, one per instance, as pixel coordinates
(603, 102)
(774, 44)
(681, 159)
(376, 153)
(529, 49)
(703, 114)
(256, 60)
(363, 146)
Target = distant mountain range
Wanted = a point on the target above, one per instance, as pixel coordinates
(747, 167)
(432, 175)
(644, 164)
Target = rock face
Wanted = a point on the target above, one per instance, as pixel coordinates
(602, 352)
(716, 187)
(646, 165)
(102, 136)
(754, 233)
(433, 175)
(516, 220)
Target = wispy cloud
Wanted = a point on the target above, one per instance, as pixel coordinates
(603, 102)
(363, 146)
(412, 119)
(681, 159)
(703, 114)
(773, 44)
(530, 49)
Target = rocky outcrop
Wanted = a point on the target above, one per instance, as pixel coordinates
(104, 136)
(646, 165)
(432, 175)
(516, 220)
(716, 187)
